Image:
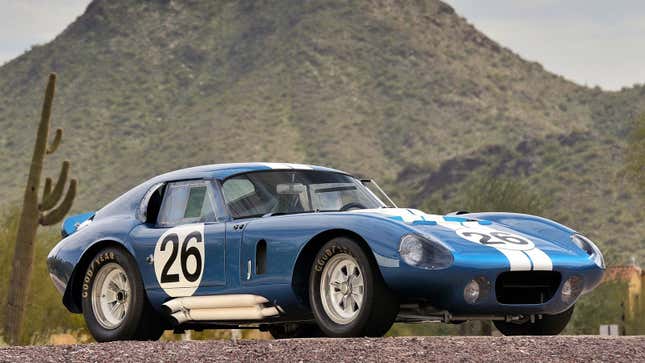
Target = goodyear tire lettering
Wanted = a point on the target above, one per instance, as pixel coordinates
(327, 254)
(94, 265)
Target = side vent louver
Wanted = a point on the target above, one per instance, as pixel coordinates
(261, 257)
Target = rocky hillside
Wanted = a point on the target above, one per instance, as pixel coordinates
(404, 91)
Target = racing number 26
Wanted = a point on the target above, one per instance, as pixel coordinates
(173, 240)
(497, 238)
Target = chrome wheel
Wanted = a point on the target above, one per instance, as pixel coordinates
(342, 288)
(111, 296)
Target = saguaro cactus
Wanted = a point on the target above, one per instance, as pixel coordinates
(50, 209)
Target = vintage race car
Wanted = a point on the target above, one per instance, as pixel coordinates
(303, 250)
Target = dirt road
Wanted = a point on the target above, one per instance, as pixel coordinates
(407, 349)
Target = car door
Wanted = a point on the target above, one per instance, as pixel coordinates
(254, 236)
(184, 247)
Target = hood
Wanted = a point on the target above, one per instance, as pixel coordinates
(526, 245)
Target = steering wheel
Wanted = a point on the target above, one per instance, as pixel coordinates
(351, 206)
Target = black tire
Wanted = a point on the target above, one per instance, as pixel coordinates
(140, 321)
(295, 330)
(151, 326)
(379, 306)
(548, 325)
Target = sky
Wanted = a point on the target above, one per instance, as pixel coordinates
(591, 42)
(24, 23)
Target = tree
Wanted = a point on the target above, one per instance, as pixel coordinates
(499, 194)
(48, 210)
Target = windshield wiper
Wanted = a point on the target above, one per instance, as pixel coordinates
(372, 181)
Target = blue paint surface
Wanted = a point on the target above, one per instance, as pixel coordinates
(229, 250)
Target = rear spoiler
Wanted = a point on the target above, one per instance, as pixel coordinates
(76, 222)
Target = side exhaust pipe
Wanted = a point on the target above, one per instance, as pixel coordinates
(218, 308)
(223, 314)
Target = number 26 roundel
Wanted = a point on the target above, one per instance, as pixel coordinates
(179, 259)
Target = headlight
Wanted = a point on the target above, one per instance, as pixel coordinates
(590, 248)
(424, 253)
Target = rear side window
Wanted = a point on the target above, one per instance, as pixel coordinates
(187, 202)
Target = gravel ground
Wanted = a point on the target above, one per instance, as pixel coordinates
(451, 349)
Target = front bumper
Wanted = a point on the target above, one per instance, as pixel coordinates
(443, 290)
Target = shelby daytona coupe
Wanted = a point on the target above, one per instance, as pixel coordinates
(303, 251)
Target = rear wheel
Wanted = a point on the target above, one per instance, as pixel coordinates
(347, 294)
(548, 325)
(114, 302)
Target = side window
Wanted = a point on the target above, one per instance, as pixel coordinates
(150, 204)
(236, 188)
(187, 202)
(241, 197)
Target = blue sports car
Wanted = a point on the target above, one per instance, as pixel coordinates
(303, 251)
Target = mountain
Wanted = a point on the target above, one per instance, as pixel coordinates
(406, 92)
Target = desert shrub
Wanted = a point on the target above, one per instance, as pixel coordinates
(45, 312)
(604, 305)
(500, 194)
(635, 157)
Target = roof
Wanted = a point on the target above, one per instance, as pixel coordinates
(223, 171)
(129, 201)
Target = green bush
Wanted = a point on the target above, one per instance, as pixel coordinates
(607, 304)
(45, 312)
(501, 194)
(636, 153)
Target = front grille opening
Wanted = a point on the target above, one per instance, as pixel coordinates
(526, 287)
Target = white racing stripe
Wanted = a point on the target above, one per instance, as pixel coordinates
(287, 166)
(277, 165)
(300, 166)
(541, 261)
(516, 259)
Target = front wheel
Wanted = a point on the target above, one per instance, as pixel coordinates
(347, 294)
(548, 325)
(114, 302)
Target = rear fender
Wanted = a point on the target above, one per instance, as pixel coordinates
(69, 259)
(76, 222)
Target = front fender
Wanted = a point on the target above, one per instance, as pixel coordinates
(293, 241)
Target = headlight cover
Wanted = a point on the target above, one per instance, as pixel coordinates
(590, 248)
(424, 253)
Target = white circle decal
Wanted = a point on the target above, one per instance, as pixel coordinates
(179, 259)
(496, 239)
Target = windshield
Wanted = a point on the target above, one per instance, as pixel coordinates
(284, 192)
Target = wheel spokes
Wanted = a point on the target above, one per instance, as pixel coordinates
(114, 308)
(112, 285)
(357, 302)
(110, 295)
(342, 288)
(346, 303)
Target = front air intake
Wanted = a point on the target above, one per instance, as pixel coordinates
(526, 287)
